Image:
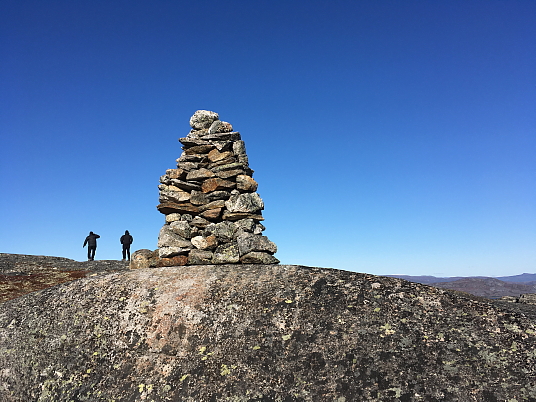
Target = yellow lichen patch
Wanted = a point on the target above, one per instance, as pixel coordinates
(387, 328)
(225, 370)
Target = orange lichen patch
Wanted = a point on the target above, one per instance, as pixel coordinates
(13, 286)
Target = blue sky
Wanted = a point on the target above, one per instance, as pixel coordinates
(388, 137)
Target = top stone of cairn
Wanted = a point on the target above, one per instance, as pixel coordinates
(203, 119)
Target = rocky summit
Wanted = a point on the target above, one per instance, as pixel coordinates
(253, 332)
(213, 212)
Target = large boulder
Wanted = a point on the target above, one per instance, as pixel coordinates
(143, 258)
(260, 333)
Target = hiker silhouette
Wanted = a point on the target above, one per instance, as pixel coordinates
(91, 242)
(126, 240)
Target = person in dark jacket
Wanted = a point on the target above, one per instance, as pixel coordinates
(126, 240)
(91, 242)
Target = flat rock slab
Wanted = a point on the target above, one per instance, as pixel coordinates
(260, 333)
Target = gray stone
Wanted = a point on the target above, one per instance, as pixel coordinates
(168, 238)
(259, 228)
(173, 217)
(222, 162)
(172, 194)
(167, 252)
(182, 228)
(258, 257)
(230, 166)
(233, 136)
(192, 141)
(250, 242)
(203, 119)
(203, 199)
(205, 243)
(219, 195)
(191, 157)
(224, 231)
(200, 257)
(227, 174)
(199, 198)
(187, 165)
(212, 205)
(246, 224)
(220, 127)
(185, 185)
(197, 133)
(243, 159)
(239, 147)
(235, 216)
(186, 217)
(223, 146)
(226, 254)
(198, 150)
(180, 208)
(248, 202)
(142, 259)
(199, 222)
(199, 174)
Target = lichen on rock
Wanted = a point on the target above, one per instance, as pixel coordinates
(252, 332)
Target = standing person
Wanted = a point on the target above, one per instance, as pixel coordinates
(91, 242)
(126, 240)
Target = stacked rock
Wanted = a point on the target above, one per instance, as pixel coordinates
(213, 212)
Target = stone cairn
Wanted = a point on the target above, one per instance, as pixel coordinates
(213, 212)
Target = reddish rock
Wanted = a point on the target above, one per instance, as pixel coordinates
(176, 174)
(216, 184)
(199, 149)
(246, 183)
(216, 155)
(211, 214)
(172, 261)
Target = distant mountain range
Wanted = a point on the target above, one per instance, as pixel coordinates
(489, 287)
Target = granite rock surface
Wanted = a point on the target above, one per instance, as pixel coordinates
(260, 333)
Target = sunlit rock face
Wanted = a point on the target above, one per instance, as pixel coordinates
(253, 332)
(211, 197)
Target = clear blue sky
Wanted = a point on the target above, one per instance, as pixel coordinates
(388, 137)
